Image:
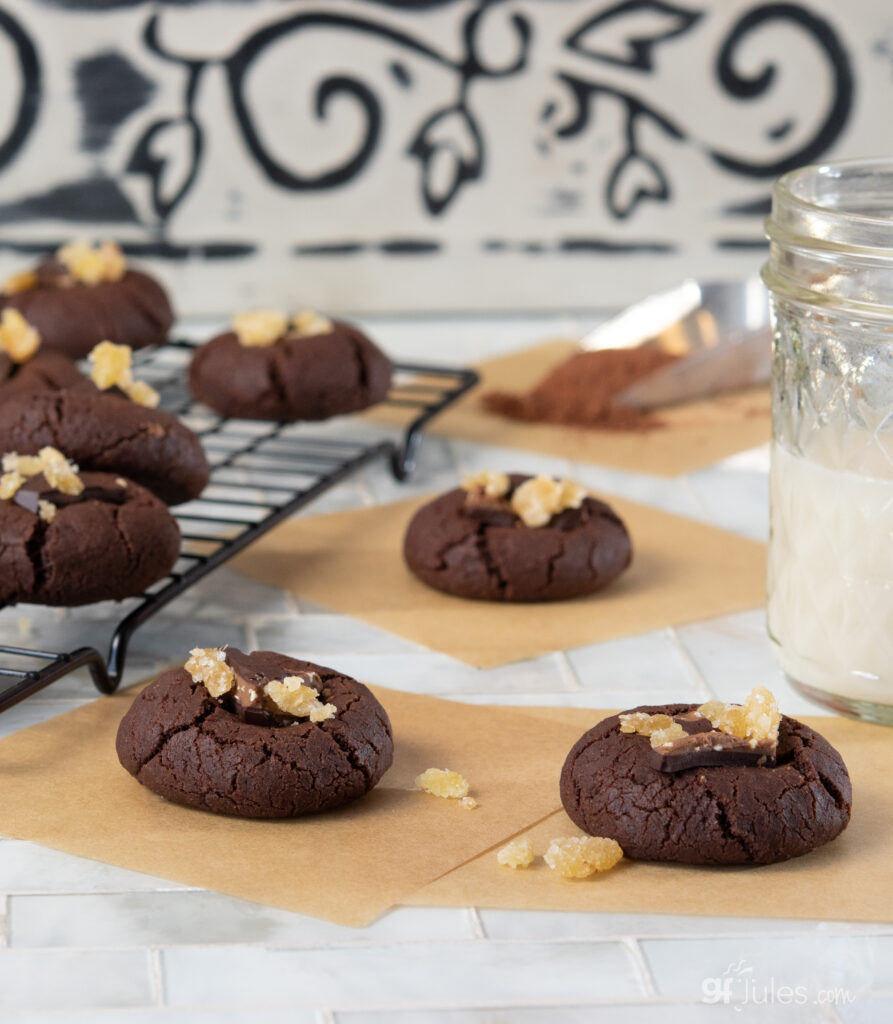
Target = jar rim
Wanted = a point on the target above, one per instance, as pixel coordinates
(785, 189)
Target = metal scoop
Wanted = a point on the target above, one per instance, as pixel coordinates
(721, 329)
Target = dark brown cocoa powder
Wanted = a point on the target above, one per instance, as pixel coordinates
(580, 391)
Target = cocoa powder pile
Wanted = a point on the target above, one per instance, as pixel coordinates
(580, 391)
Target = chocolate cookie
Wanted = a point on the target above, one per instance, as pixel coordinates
(45, 371)
(712, 813)
(112, 540)
(295, 377)
(73, 316)
(106, 431)
(475, 545)
(204, 751)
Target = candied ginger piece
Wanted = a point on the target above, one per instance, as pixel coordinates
(208, 665)
(308, 323)
(59, 471)
(23, 281)
(18, 339)
(538, 499)
(442, 782)
(143, 394)
(10, 482)
(582, 856)
(90, 265)
(259, 328)
(468, 803)
(488, 482)
(756, 719)
(516, 854)
(295, 698)
(643, 723)
(111, 366)
(660, 728)
(46, 510)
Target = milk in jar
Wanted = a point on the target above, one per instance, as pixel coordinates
(830, 608)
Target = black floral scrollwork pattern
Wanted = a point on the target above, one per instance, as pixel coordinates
(605, 65)
(637, 176)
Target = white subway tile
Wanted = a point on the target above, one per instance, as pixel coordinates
(205, 918)
(67, 980)
(29, 867)
(424, 974)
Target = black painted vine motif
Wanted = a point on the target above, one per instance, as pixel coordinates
(610, 57)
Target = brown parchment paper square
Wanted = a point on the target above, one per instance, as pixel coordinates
(850, 879)
(696, 435)
(63, 787)
(352, 563)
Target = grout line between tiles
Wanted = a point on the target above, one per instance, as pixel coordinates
(688, 486)
(635, 951)
(477, 925)
(566, 669)
(688, 661)
(156, 976)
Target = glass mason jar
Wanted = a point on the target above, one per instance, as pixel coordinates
(830, 587)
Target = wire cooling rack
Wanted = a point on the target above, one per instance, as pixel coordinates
(261, 474)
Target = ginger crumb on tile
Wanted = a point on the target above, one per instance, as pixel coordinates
(582, 856)
(516, 854)
(93, 265)
(487, 482)
(207, 665)
(259, 328)
(18, 339)
(442, 782)
(293, 696)
(111, 366)
(536, 500)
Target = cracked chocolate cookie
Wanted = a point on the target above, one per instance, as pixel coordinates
(45, 371)
(719, 784)
(272, 368)
(516, 538)
(81, 296)
(71, 539)
(106, 431)
(255, 735)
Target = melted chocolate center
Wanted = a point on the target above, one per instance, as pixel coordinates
(706, 747)
(37, 488)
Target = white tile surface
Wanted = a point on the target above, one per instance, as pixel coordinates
(431, 974)
(817, 961)
(184, 918)
(31, 868)
(63, 979)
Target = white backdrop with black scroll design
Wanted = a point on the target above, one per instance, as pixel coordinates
(426, 154)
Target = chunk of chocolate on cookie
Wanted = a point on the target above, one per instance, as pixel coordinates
(243, 685)
(713, 734)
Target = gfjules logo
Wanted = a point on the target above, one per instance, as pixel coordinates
(739, 987)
